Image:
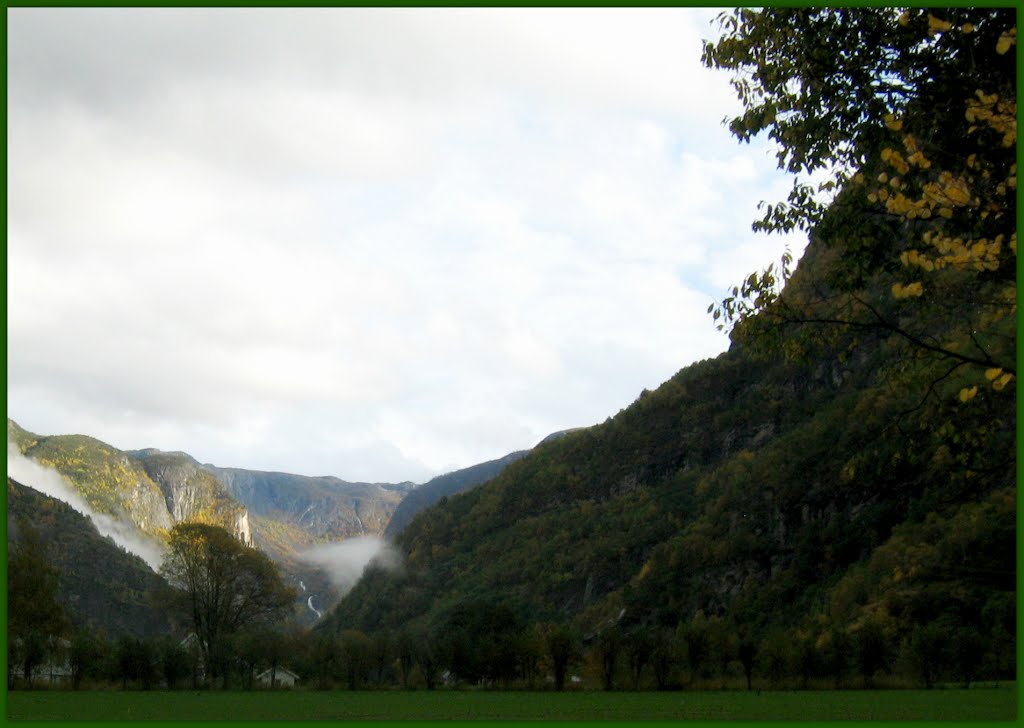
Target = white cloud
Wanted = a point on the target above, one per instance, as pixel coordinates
(344, 561)
(359, 241)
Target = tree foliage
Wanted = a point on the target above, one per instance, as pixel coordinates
(224, 586)
(909, 120)
(35, 617)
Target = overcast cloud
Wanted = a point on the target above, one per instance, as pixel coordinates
(379, 244)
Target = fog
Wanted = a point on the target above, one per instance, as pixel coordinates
(343, 562)
(47, 480)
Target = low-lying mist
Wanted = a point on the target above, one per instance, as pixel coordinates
(47, 480)
(343, 562)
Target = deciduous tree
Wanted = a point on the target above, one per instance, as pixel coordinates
(35, 617)
(225, 586)
(908, 119)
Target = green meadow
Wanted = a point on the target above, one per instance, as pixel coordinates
(942, 704)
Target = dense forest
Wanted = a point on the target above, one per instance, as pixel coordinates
(831, 502)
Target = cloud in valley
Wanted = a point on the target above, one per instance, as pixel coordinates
(47, 480)
(343, 562)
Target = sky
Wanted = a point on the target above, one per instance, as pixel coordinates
(379, 244)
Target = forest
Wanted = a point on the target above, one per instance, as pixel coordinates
(829, 504)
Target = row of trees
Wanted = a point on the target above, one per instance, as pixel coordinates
(230, 595)
(89, 658)
(703, 653)
(236, 601)
(483, 642)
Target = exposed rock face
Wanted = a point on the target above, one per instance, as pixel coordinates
(145, 507)
(111, 482)
(324, 507)
(193, 494)
(241, 530)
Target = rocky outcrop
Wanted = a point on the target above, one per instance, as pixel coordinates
(193, 494)
(326, 508)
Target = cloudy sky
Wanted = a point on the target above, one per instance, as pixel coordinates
(378, 244)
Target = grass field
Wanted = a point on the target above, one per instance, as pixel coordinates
(969, 705)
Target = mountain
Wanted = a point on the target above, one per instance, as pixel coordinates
(193, 494)
(443, 486)
(798, 495)
(111, 481)
(101, 586)
(147, 491)
(423, 496)
(291, 514)
(325, 508)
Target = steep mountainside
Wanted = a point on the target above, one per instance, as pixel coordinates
(443, 486)
(101, 585)
(279, 513)
(777, 493)
(110, 480)
(193, 494)
(325, 508)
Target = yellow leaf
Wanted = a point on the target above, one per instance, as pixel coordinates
(1002, 382)
(1004, 43)
(936, 25)
(892, 122)
(991, 374)
(966, 394)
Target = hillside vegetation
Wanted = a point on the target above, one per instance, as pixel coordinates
(443, 486)
(102, 586)
(837, 493)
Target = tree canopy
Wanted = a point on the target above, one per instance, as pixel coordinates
(225, 585)
(907, 119)
(35, 617)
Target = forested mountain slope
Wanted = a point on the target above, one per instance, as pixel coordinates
(443, 486)
(282, 514)
(326, 508)
(838, 488)
(101, 585)
(794, 496)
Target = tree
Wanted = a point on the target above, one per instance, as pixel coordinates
(833, 647)
(663, 656)
(562, 649)
(404, 649)
(35, 617)
(694, 636)
(927, 649)
(85, 655)
(428, 658)
(357, 656)
(607, 646)
(968, 653)
(747, 653)
(174, 662)
(910, 118)
(529, 649)
(249, 652)
(225, 586)
(639, 648)
(135, 661)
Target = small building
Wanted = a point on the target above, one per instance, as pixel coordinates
(283, 678)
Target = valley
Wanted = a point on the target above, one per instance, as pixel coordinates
(826, 503)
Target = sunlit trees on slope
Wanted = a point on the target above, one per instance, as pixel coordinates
(907, 122)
